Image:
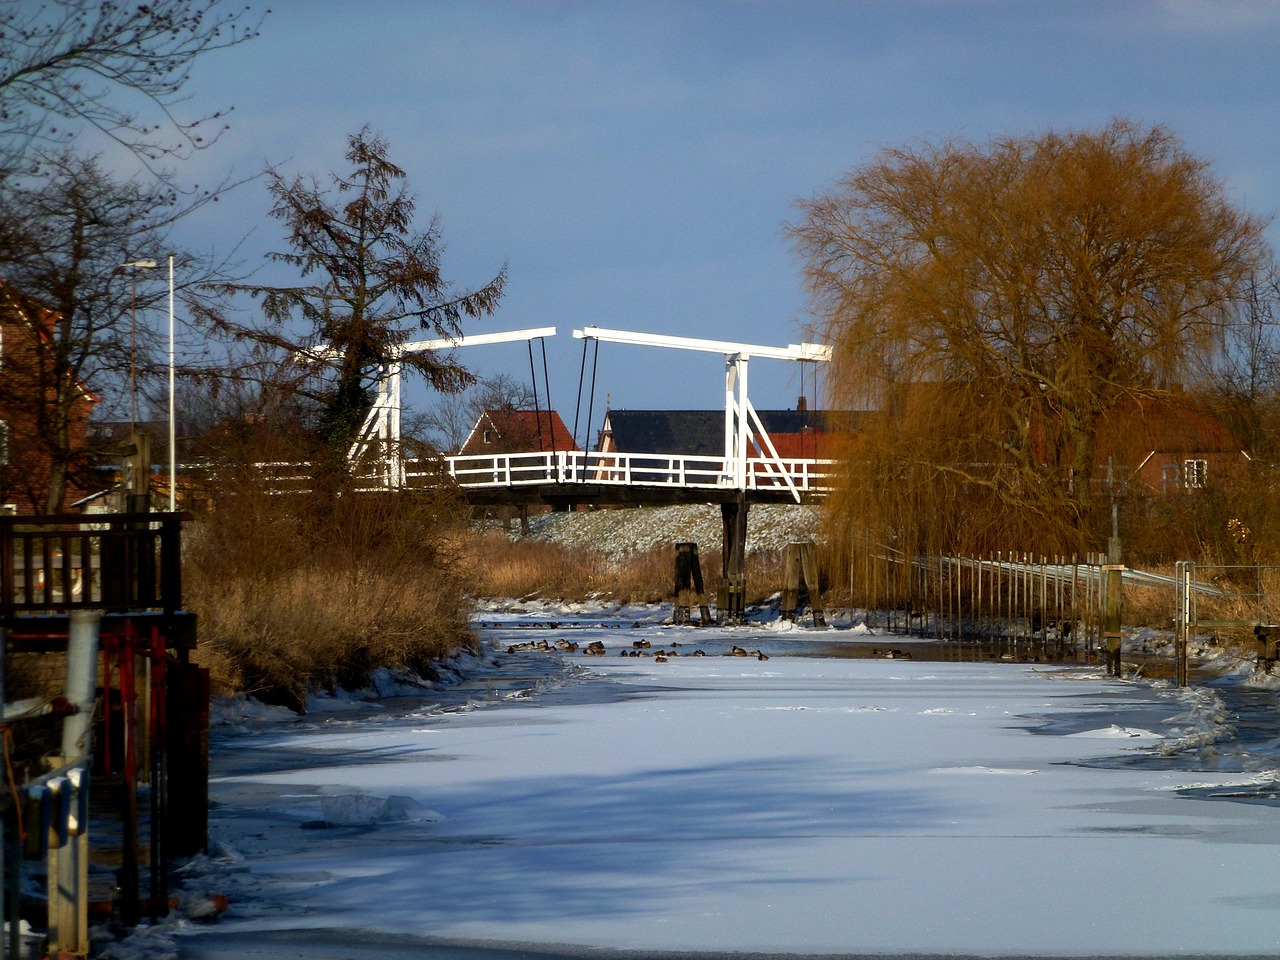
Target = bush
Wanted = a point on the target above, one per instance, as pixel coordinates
(290, 602)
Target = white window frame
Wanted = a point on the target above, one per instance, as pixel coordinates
(1195, 473)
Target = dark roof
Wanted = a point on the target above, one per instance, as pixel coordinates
(696, 432)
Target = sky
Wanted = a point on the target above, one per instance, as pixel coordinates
(797, 805)
(634, 164)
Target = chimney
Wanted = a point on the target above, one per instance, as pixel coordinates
(802, 404)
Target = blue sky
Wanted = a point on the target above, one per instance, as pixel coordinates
(634, 163)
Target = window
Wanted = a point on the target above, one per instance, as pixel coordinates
(1195, 473)
(488, 436)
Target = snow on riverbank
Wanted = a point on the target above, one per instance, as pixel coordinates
(799, 804)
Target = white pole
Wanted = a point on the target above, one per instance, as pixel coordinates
(173, 447)
(744, 426)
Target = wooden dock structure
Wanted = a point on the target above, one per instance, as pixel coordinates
(98, 598)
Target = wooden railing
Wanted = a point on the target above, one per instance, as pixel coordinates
(116, 563)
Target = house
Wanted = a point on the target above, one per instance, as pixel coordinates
(698, 437)
(27, 445)
(1157, 443)
(1168, 444)
(508, 430)
(796, 434)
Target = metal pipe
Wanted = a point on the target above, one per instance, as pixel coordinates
(82, 681)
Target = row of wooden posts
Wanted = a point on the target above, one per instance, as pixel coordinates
(1023, 605)
(1060, 606)
(1057, 604)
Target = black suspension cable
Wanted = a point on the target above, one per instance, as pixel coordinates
(591, 398)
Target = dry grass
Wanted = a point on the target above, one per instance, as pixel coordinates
(293, 603)
(501, 567)
(295, 600)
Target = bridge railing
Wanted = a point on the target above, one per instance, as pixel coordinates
(630, 469)
(807, 477)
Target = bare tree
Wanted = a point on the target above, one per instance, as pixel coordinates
(994, 301)
(1246, 384)
(65, 241)
(454, 415)
(119, 68)
(373, 274)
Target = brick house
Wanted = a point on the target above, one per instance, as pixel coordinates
(25, 451)
(508, 430)
(1169, 444)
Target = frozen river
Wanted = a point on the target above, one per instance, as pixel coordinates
(570, 805)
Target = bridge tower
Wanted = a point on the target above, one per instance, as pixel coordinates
(380, 431)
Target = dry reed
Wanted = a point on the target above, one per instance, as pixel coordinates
(292, 603)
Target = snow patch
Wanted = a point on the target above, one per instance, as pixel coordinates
(1117, 732)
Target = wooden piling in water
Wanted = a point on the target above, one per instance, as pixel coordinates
(689, 591)
(801, 570)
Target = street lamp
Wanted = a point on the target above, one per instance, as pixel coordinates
(173, 445)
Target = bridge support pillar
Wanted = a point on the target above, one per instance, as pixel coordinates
(732, 590)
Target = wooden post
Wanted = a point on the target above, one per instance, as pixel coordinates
(187, 759)
(792, 574)
(731, 595)
(689, 587)
(1111, 630)
(801, 568)
(1186, 575)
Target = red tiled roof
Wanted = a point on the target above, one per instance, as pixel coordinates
(521, 431)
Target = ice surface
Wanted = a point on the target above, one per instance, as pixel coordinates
(803, 805)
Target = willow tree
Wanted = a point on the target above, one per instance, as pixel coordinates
(993, 302)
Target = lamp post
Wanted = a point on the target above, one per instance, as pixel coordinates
(173, 445)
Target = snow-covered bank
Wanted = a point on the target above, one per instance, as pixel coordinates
(799, 805)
